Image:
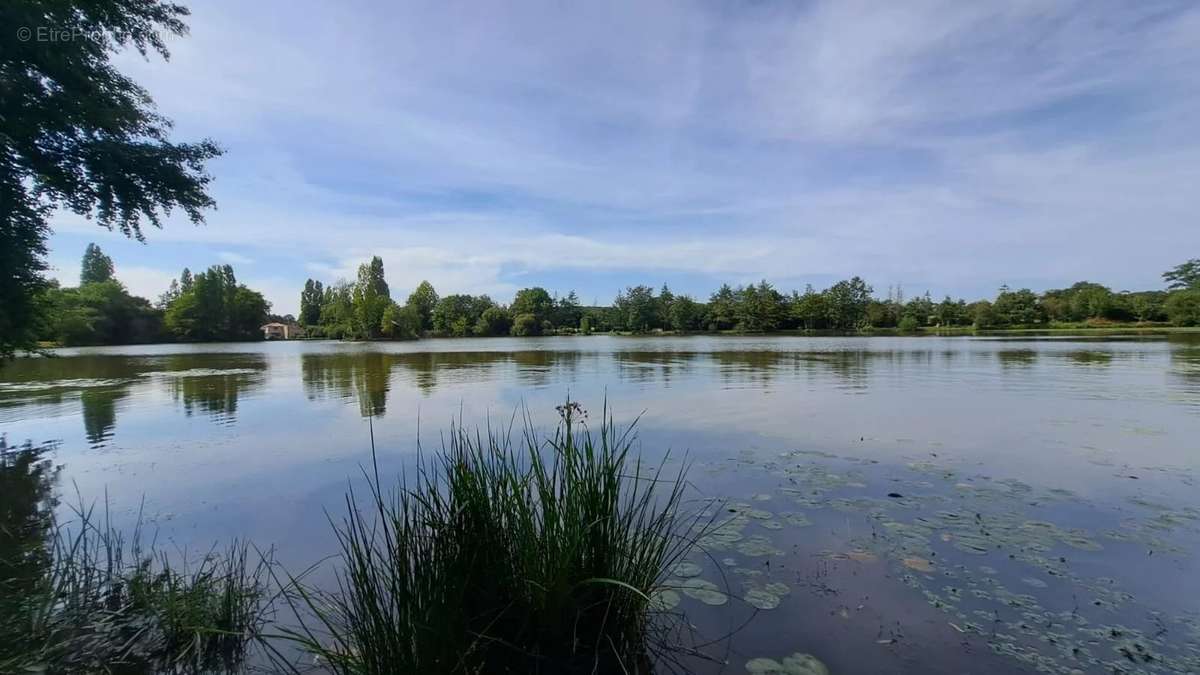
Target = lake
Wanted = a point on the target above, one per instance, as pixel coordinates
(934, 505)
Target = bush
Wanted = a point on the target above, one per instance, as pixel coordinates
(1183, 308)
(908, 324)
(525, 325)
(501, 558)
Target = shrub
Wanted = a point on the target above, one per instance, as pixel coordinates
(540, 556)
(525, 325)
(1183, 308)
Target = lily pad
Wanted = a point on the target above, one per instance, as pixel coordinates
(796, 664)
(704, 591)
(664, 600)
(687, 569)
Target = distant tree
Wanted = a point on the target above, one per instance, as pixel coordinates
(185, 280)
(535, 301)
(686, 314)
(1183, 307)
(169, 296)
(846, 304)
(400, 323)
(809, 310)
(310, 302)
(216, 307)
(423, 300)
(457, 315)
(371, 297)
(493, 321)
(638, 308)
(982, 314)
(1183, 276)
(79, 135)
(722, 312)
(1016, 308)
(95, 266)
(525, 325)
(567, 311)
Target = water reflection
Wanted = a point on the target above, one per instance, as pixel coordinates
(27, 480)
(1016, 358)
(100, 412)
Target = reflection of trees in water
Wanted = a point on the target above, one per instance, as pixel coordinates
(366, 376)
(363, 376)
(213, 383)
(1185, 367)
(1016, 358)
(100, 412)
(1090, 357)
(645, 367)
(27, 504)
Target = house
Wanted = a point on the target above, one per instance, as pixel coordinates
(276, 331)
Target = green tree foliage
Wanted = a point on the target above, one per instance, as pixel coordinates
(567, 311)
(371, 298)
(534, 301)
(1016, 308)
(525, 325)
(759, 308)
(79, 135)
(216, 307)
(185, 280)
(493, 321)
(1183, 276)
(722, 313)
(638, 309)
(400, 323)
(99, 313)
(310, 302)
(458, 315)
(685, 314)
(423, 300)
(809, 310)
(95, 267)
(1183, 307)
(846, 304)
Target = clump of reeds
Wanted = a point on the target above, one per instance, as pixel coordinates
(79, 597)
(501, 557)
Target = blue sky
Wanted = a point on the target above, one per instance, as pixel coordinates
(945, 146)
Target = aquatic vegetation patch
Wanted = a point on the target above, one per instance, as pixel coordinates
(796, 664)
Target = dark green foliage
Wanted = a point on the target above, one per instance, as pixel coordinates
(493, 321)
(809, 309)
(310, 302)
(1016, 308)
(638, 309)
(399, 323)
(423, 300)
(80, 598)
(95, 267)
(567, 311)
(1183, 307)
(685, 314)
(846, 304)
(525, 325)
(216, 307)
(1184, 275)
(534, 301)
(538, 556)
(99, 313)
(371, 298)
(459, 315)
(79, 135)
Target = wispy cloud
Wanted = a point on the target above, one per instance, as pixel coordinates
(946, 145)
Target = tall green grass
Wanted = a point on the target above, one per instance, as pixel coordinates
(534, 556)
(78, 597)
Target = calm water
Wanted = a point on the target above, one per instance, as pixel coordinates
(1043, 508)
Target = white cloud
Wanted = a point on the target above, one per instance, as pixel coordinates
(960, 145)
(234, 258)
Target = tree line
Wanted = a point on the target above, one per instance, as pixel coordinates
(208, 306)
(364, 309)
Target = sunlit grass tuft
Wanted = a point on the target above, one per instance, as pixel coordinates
(540, 555)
